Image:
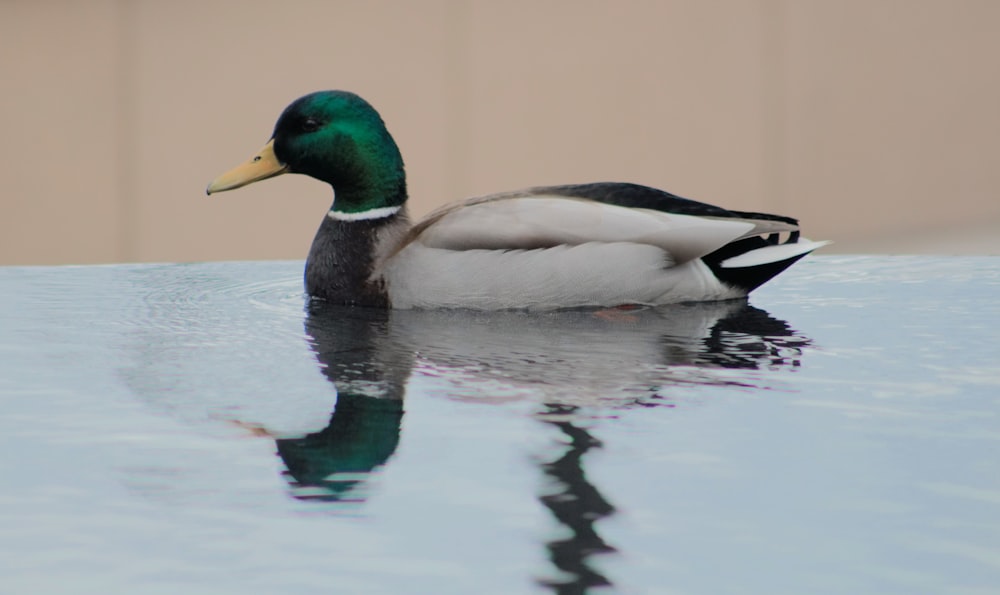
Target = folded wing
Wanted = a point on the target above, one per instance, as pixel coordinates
(527, 222)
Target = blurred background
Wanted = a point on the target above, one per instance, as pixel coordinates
(876, 122)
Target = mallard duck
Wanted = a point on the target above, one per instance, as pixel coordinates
(602, 244)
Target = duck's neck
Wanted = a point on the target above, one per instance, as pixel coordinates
(368, 197)
(368, 182)
(367, 219)
(346, 252)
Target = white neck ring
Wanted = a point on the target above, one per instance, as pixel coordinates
(379, 213)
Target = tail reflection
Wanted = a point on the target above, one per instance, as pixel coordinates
(577, 504)
(749, 338)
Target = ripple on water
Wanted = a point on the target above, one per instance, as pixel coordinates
(223, 342)
(200, 305)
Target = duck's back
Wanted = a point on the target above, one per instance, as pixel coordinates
(602, 244)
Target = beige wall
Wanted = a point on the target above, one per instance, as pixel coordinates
(875, 121)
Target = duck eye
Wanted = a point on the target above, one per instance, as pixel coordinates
(310, 125)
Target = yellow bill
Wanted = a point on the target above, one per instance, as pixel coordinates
(261, 166)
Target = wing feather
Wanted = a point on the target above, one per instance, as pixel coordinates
(520, 222)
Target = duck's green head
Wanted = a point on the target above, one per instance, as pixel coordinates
(336, 137)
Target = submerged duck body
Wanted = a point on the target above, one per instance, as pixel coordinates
(602, 244)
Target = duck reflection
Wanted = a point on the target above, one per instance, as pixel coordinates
(577, 504)
(363, 432)
(332, 464)
(573, 364)
(203, 361)
(599, 358)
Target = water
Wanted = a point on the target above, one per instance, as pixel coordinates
(191, 428)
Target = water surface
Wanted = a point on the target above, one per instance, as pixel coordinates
(194, 428)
